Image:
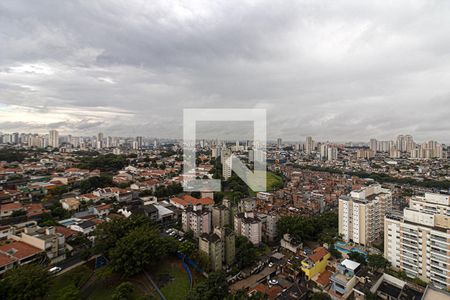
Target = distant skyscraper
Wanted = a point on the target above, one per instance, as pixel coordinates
(279, 142)
(140, 141)
(373, 145)
(53, 140)
(309, 145)
(100, 140)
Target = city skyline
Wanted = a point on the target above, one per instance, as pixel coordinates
(337, 72)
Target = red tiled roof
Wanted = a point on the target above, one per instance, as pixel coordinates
(324, 278)
(20, 250)
(90, 196)
(103, 206)
(34, 209)
(67, 232)
(10, 206)
(271, 292)
(185, 200)
(318, 254)
(5, 260)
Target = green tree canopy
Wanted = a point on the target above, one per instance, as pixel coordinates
(214, 288)
(377, 261)
(140, 247)
(26, 282)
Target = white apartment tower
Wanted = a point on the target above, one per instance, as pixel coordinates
(226, 160)
(418, 242)
(361, 214)
(309, 145)
(53, 139)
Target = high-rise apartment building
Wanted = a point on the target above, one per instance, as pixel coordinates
(309, 145)
(373, 145)
(226, 159)
(197, 219)
(53, 139)
(248, 225)
(361, 214)
(328, 152)
(418, 242)
(219, 246)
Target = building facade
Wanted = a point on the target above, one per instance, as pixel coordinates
(361, 214)
(418, 242)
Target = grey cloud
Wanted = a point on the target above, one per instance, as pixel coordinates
(337, 70)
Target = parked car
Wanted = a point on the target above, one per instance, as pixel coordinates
(55, 270)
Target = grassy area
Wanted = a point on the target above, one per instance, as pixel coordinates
(73, 280)
(273, 181)
(106, 293)
(172, 280)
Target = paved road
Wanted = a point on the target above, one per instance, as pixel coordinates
(74, 260)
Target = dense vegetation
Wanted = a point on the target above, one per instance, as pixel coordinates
(105, 163)
(321, 228)
(26, 282)
(215, 287)
(131, 244)
(93, 183)
(382, 178)
(246, 252)
(10, 155)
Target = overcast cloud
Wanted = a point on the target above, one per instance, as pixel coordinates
(336, 70)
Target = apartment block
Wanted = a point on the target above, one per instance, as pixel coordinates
(418, 242)
(196, 218)
(219, 246)
(248, 225)
(361, 214)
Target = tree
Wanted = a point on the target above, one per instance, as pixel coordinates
(25, 282)
(336, 254)
(358, 257)
(246, 254)
(187, 248)
(377, 261)
(123, 291)
(322, 227)
(107, 234)
(69, 292)
(92, 183)
(140, 247)
(214, 288)
(105, 163)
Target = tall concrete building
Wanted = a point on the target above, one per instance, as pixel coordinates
(373, 145)
(221, 216)
(226, 159)
(361, 214)
(248, 225)
(53, 139)
(309, 145)
(418, 242)
(197, 219)
(219, 246)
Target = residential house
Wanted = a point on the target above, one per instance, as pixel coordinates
(315, 263)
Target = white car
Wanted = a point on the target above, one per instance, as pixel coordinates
(55, 270)
(273, 281)
(270, 264)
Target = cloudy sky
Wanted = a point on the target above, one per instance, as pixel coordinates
(336, 70)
